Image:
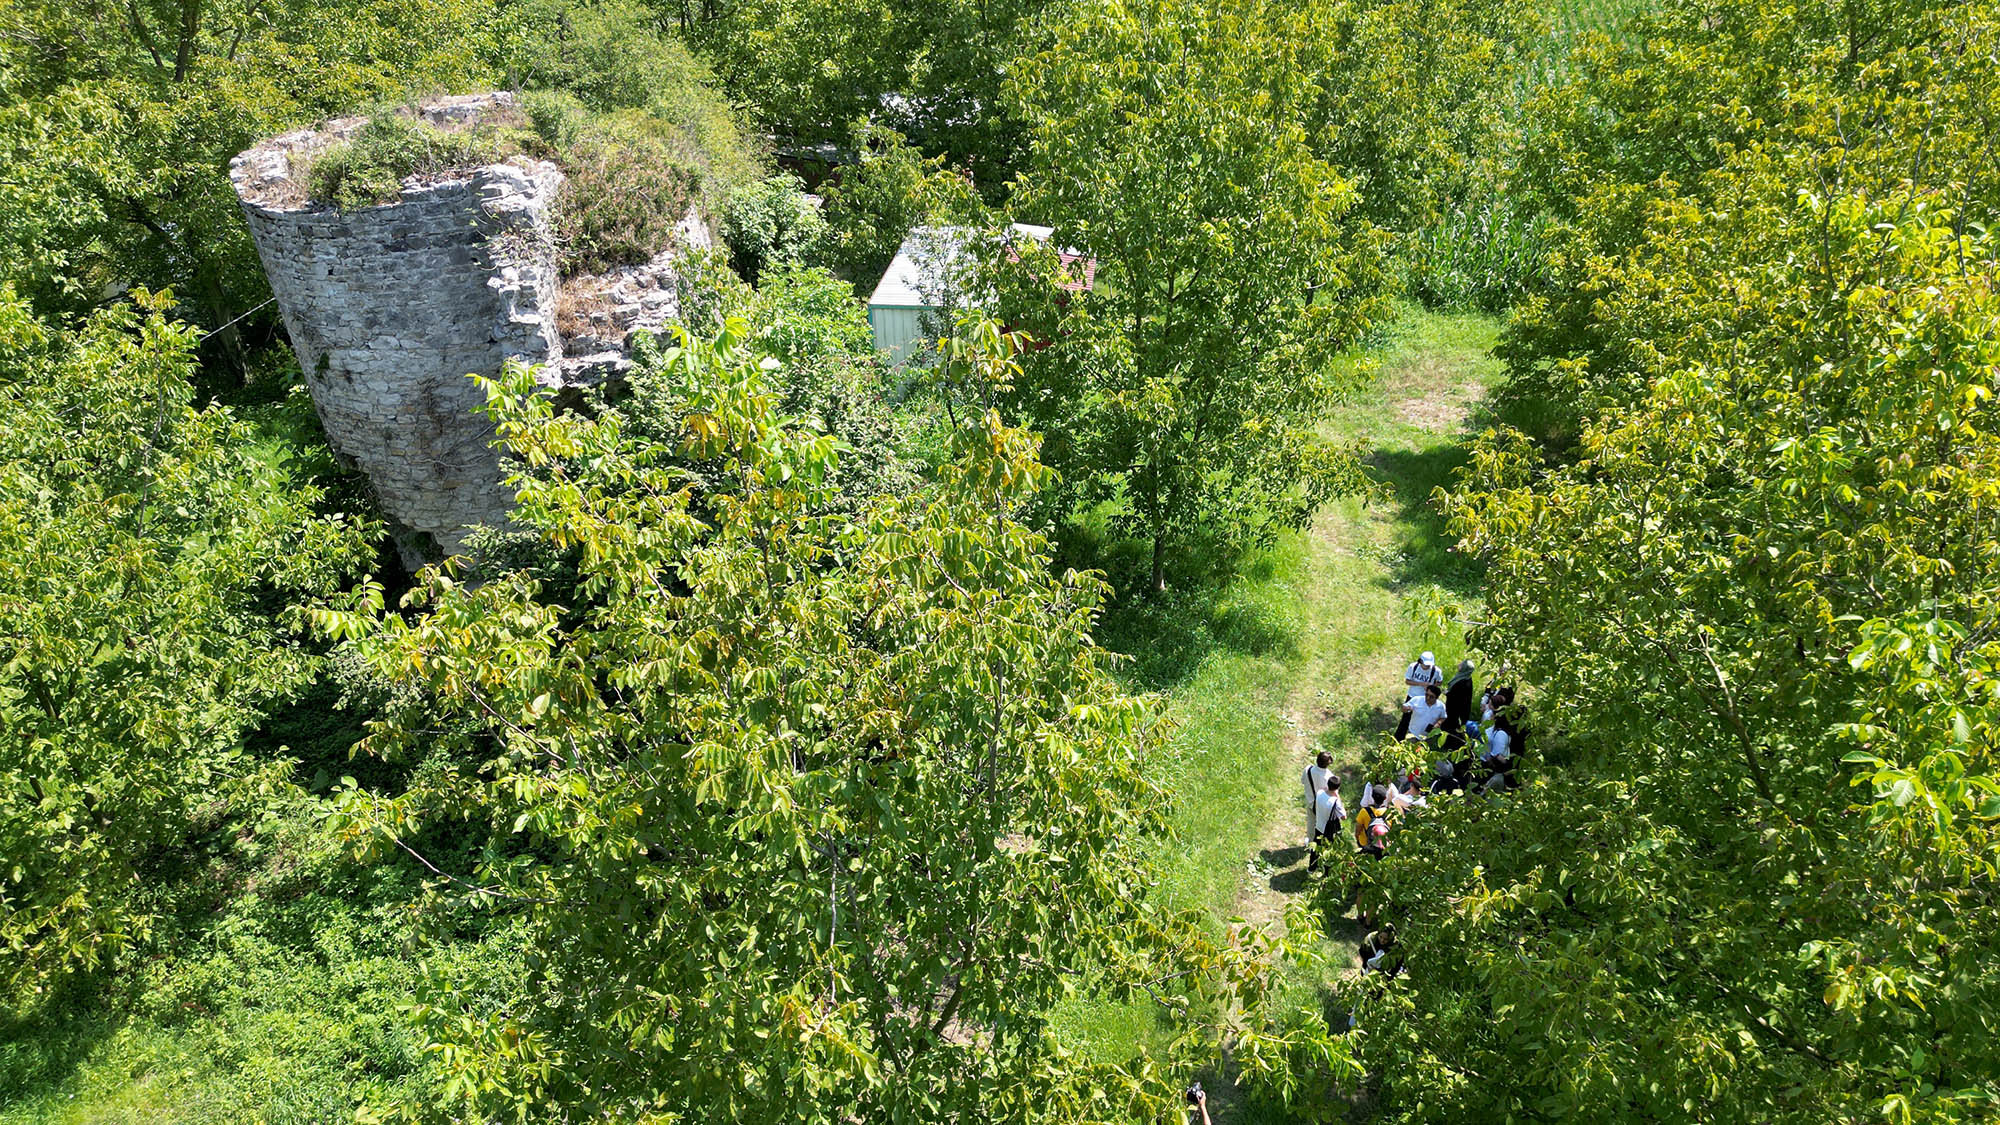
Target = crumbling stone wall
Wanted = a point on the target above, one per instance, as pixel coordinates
(390, 308)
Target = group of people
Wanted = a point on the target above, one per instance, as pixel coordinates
(1442, 714)
(1478, 752)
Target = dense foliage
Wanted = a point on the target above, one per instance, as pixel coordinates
(142, 542)
(889, 190)
(768, 767)
(1757, 588)
(812, 339)
(1673, 143)
(1169, 144)
(932, 71)
(809, 816)
(119, 123)
(771, 223)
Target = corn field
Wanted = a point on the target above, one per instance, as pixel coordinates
(1486, 259)
(1487, 256)
(1569, 21)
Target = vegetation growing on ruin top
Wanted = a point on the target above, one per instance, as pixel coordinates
(368, 169)
(631, 174)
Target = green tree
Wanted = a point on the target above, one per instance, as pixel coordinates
(122, 120)
(823, 368)
(144, 545)
(1661, 125)
(931, 71)
(770, 225)
(889, 190)
(1369, 61)
(1167, 143)
(812, 816)
(1748, 884)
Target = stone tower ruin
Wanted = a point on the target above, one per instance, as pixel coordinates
(390, 308)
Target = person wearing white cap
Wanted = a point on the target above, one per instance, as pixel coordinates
(1420, 675)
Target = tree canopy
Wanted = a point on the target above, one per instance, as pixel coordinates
(142, 543)
(1168, 143)
(810, 815)
(771, 764)
(1755, 587)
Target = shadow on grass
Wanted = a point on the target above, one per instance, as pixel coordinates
(1284, 857)
(1365, 722)
(1290, 882)
(1167, 636)
(41, 1051)
(1424, 552)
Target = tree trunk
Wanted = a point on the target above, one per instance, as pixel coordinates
(1159, 562)
(227, 342)
(190, 30)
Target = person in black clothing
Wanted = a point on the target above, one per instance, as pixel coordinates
(1457, 706)
(1381, 943)
(1445, 779)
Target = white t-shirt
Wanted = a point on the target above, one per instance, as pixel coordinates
(1424, 716)
(1315, 780)
(1497, 741)
(1326, 810)
(1423, 675)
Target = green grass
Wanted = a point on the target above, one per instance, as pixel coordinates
(367, 170)
(1314, 639)
(276, 995)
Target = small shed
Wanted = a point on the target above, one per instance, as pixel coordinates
(922, 282)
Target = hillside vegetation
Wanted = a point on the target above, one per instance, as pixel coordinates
(828, 739)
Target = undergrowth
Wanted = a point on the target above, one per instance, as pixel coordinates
(630, 175)
(368, 169)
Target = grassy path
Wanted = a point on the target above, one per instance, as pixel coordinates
(1362, 560)
(1308, 650)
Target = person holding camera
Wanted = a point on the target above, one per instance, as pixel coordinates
(1197, 1099)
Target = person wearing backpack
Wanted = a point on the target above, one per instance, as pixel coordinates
(1328, 815)
(1371, 833)
(1375, 794)
(1421, 673)
(1315, 780)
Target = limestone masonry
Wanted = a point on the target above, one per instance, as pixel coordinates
(390, 308)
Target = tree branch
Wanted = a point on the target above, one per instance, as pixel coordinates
(1750, 757)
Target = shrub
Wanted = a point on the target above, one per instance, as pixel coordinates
(876, 201)
(771, 224)
(368, 169)
(609, 59)
(826, 370)
(626, 193)
(632, 175)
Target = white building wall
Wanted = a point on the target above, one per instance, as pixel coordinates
(898, 331)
